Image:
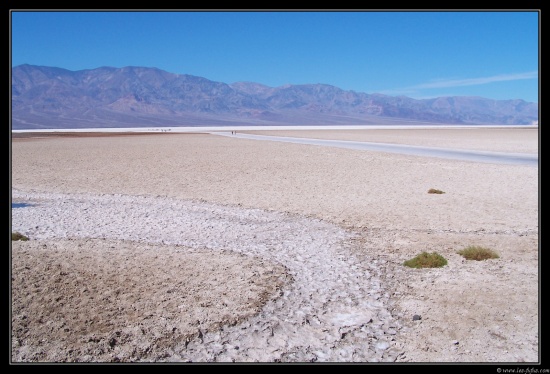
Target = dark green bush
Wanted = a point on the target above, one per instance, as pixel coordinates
(18, 236)
(426, 260)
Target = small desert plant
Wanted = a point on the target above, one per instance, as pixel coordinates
(433, 190)
(426, 260)
(477, 253)
(18, 236)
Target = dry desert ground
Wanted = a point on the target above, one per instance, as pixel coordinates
(195, 247)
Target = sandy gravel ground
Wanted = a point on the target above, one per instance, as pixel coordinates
(200, 248)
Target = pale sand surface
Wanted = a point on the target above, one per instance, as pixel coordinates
(520, 140)
(280, 204)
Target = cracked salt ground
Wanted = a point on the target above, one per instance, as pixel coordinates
(334, 310)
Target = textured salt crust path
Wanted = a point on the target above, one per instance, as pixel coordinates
(334, 310)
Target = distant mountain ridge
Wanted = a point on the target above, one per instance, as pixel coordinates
(51, 97)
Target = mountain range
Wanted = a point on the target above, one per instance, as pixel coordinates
(51, 97)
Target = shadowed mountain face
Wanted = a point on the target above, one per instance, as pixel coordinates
(50, 97)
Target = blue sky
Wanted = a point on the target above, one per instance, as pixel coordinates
(491, 54)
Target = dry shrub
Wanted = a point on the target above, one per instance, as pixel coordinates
(426, 260)
(477, 253)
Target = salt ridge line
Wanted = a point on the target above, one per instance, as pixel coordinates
(334, 311)
(187, 129)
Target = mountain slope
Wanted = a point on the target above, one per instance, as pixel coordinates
(50, 97)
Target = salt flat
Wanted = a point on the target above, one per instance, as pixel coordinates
(375, 207)
(404, 149)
